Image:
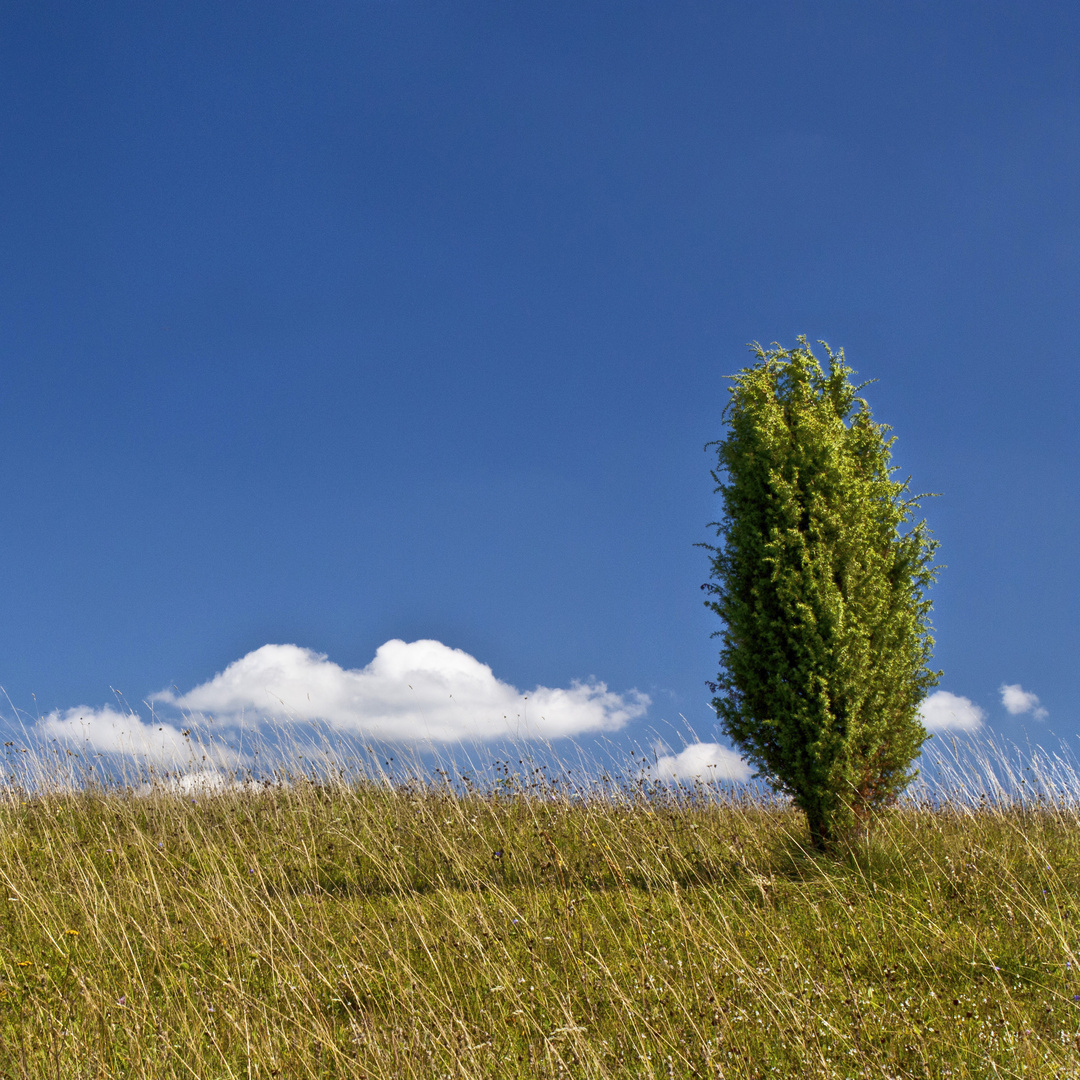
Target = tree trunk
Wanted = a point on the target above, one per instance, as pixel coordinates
(820, 833)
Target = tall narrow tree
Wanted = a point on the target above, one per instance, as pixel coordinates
(819, 576)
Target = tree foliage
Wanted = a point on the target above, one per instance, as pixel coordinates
(820, 577)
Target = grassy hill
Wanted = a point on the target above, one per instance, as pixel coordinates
(349, 929)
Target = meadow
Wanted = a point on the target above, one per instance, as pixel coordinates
(529, 925)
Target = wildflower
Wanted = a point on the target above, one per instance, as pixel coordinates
(72, 933)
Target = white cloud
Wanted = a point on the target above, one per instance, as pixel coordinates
(709, 761)
(1018, 700)
(206, 782)
(411, 691)
(943, 711)
(106, 731)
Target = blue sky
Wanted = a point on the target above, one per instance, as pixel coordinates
(330, 325)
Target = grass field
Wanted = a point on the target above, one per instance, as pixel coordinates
(347, 928)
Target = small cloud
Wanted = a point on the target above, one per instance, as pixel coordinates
(207, 782)
(709, 761)
(106, 731)
(943, 711)
(1017, 700)
(410, 692)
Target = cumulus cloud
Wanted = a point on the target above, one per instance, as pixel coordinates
(943, 711)
(207, 782)
(410, 692)
(1018, 700)
(107, 731)
(708, 761)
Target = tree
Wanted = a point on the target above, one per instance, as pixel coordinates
(820, 577)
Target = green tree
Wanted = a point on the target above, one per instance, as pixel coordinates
(820, 577)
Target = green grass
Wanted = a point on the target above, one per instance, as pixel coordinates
(354, 930)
